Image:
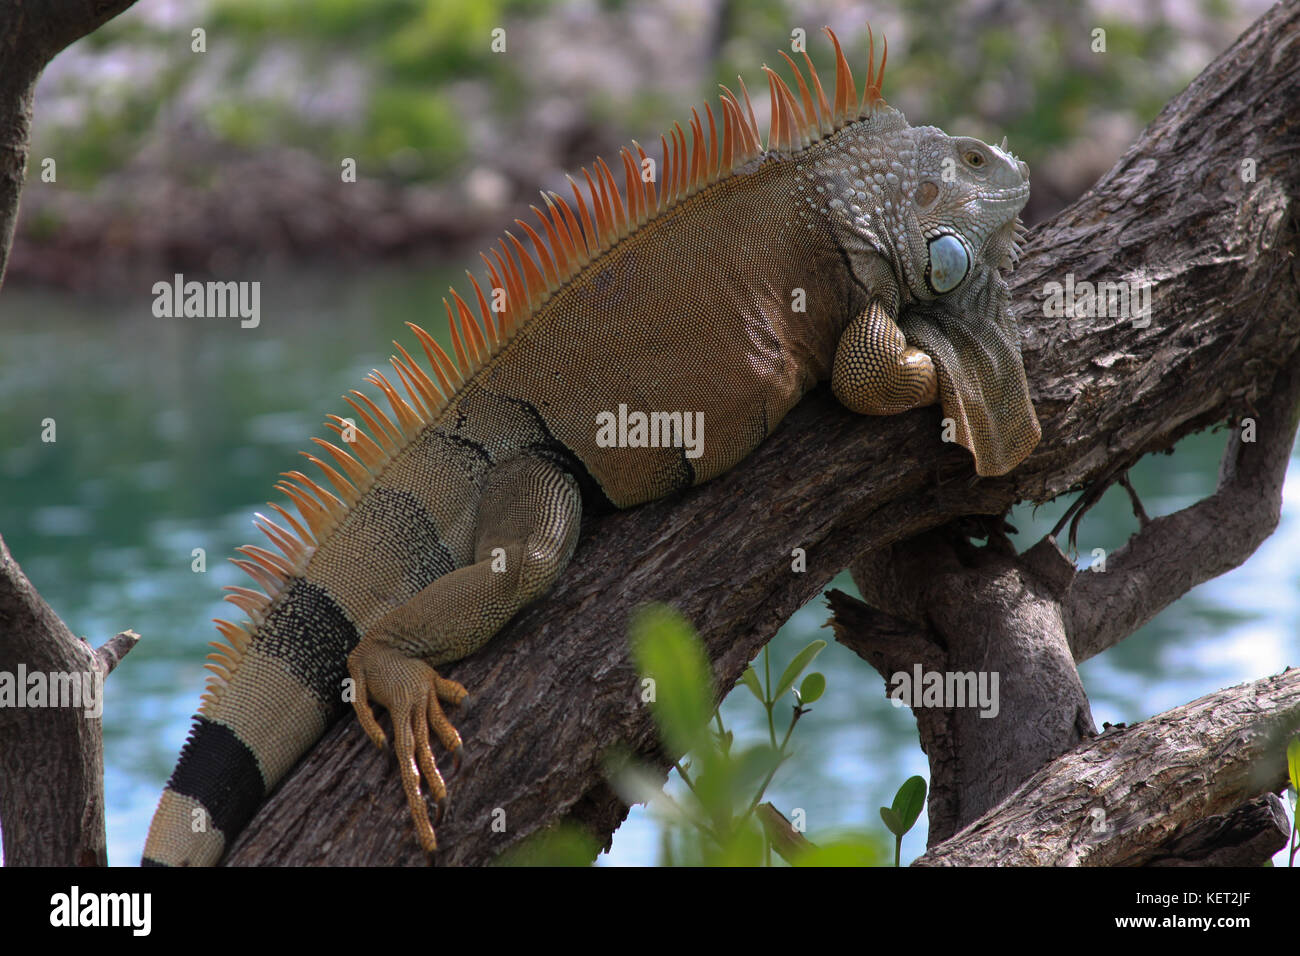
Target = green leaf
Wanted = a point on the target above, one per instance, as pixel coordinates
(667, 651)
(893, 821)
(813, 686)
(565, 844)
(908, 802)
(750, 680)
(751, 766)
(796, 666)
(740, 847)
(1293, 761)
(724, 787)
(850, 851)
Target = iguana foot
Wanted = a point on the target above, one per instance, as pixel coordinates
(876, 372)
(411, 690)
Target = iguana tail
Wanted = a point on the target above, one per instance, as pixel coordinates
(235, 755)
(279, 679)
(352, 554)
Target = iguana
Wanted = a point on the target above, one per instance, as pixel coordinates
(726, 284)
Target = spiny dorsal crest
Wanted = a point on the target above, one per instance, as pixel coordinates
(521, 282)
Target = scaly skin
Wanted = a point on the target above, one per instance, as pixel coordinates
(891, 238)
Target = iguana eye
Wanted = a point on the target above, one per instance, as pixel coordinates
(973, 159)
(949, 263)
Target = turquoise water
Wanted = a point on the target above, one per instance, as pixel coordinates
(169, 435)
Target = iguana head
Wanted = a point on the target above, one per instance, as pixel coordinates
(924, 221)
(956, 220)
(942, 211)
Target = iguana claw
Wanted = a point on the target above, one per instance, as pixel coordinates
(411, 690)
(440, 811)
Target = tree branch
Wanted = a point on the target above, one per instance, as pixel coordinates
(51, 752)
(1246, 836)
(1171, 555)
(1025, 620)
(1119, 799)
(30, 35)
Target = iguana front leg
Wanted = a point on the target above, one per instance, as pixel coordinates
(876, 372)
(527, 530)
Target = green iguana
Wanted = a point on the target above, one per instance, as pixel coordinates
(725, 284)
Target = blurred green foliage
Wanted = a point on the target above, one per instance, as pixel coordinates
(719, 820)
(565, 844)
(408, 50)
(1028, 73)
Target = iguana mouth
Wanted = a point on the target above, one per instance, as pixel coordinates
(1002, 197)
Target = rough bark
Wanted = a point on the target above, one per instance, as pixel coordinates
(51, 757)
(1246, 836)
(1118, 799)
(31, 33)
(941, 605)
(555, 691)
(985, 617)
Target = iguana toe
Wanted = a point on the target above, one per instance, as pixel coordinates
(411, 690)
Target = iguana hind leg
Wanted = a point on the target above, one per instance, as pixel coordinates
(527, 529)
(876, 372)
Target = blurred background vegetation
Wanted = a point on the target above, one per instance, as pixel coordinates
(217, 159)
(227, 163)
